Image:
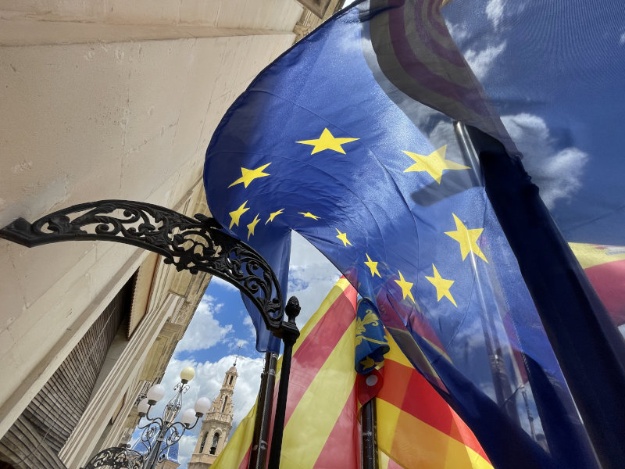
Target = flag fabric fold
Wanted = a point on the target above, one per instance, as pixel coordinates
(348, 138)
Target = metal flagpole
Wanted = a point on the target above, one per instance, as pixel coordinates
(588, 346)
(290, 333)
(368, 424)
(260, 440)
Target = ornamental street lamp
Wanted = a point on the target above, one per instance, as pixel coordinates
(159, 433)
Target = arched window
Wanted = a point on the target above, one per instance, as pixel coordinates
(203, 441)
(215, 443)
(223, 407)
(231, 378)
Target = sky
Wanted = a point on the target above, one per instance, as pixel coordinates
(221, 332)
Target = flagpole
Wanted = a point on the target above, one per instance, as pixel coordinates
(368, 425)
(501, 381)
(260, 440)
(588, 346)
(290, 333)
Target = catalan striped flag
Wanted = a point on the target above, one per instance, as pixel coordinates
(321, 428)
(605, 268)
(416, 427)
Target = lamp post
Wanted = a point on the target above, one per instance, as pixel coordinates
(159, 433)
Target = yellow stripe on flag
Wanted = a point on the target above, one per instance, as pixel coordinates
(307, 430)
(591, 255)
(413, 443)
(335, 292)
(321, 404)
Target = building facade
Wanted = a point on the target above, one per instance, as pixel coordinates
(108, 99)
(216, 425)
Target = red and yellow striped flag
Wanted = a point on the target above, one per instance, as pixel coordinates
(322, 429)
(416, 427)
(605, 268)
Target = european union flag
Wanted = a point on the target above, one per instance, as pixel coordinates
(348, 138)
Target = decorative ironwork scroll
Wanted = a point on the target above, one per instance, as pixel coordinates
(195, 244)
(116, 457)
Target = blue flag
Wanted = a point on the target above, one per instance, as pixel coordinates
(348, 138)
(371, 344)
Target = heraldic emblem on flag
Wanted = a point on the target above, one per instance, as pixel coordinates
(348, 139)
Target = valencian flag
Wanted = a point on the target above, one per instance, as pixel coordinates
(348, 138)
(371, 345)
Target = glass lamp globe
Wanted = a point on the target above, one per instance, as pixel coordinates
(143, 406)
(155, 394)
(202, 405)
(188, 418)
(187, 374)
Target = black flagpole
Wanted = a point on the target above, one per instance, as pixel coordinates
(289, 333)
(260, 440)
(368, 424)
(588, 346)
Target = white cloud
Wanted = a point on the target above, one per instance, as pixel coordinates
(224, 284)
(185, 449)
(311, 276)
(250, 325)
(494, 11)
(556, 172)
(458, 32)
(622, 39)
(207, 383)
(481, 61)
(204, 331)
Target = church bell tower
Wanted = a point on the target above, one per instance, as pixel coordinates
(216, 425)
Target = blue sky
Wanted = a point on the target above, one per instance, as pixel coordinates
(221, 331)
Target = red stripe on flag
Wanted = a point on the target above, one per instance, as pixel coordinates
(246, 459)
(317, 347)
(608, 280)
(344, 435)
(418, 398)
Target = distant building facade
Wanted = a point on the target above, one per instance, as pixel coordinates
(108, 99)
(216, 425)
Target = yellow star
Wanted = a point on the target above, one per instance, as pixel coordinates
(373, 267)
(248, 175)
(442, 286)
(467, 239)
(273, 215)
(252, 226)
(327, 141)
(343, 237)
(367, 363)
(236, 215)
(434, 164)
(309, 215)
(405, 287)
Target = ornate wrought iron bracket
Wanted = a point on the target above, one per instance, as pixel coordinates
(117, 457)
(195, 244)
